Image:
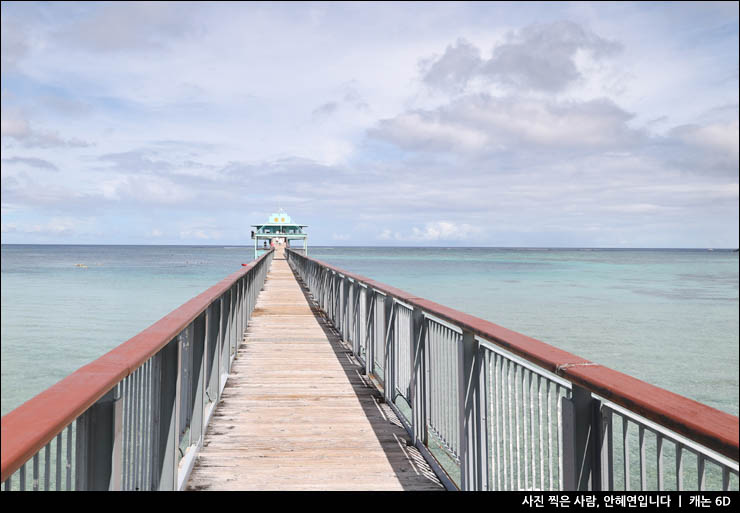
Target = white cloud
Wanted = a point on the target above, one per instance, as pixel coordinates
(540, 57)
(484, 123)
(721, 137)
(116, 27)
(16, 127)
(435, 231)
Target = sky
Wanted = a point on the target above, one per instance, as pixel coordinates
(394, 124)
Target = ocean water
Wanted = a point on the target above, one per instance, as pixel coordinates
(668, 317)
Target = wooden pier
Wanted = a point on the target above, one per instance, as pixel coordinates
(297, 414)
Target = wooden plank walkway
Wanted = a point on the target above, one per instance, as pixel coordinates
(296, 413)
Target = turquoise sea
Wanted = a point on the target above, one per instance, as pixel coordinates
(669, 317)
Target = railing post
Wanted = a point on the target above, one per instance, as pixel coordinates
(165, 394)
(606, 444)
(99, 445)
(389, 382)
(199, 379)
(418, 377)
(213, 321)
(472, 405)
(356, 318)
(185, 388)
(369, 331)
(225, 338)
(581, 441)
(344, 330)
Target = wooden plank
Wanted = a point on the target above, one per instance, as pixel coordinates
(297, 415)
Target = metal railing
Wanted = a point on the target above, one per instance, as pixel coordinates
(135, 418)
(492, 409)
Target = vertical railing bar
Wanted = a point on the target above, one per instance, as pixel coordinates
(35, 482)
(143, 428)
(542, 434)
(609, 460)
(59, 462)
(497, 418)
(701, 472)
(445, 391)
(131, 429)
(155, 401)
(498, 414)
(559, 405)
(47, 466)
(532, 430)
(445, 387)
(146, 465)
(517, 377)
(490, 356)
(441, 385)
(725, 479)
(455, 341)
(509, 365)
(454, 412)
(69, 457)
(136, 431)
(525, 443)
(660, 451)
(500, 431)
(527, 410)
(140, 429)
(147, 423)
(433, 377)
(22, 478)
(436, 373)
(126, 415)
(549, 435)
(132, 434)
(625, 453)
(643, 469)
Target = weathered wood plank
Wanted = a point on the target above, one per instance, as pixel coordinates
(297, 415)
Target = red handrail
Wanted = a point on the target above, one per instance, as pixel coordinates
(28, 428)
(712, 428)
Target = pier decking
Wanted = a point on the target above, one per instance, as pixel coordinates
(296, 413)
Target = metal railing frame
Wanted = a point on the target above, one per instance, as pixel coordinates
(135, 418)
(498, 375)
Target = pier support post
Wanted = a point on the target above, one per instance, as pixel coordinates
(472, 408)
(99, 445)
(581, 441)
